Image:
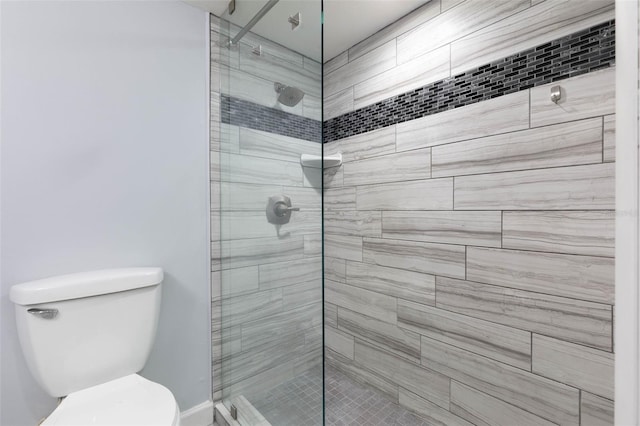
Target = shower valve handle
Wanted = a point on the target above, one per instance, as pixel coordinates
(281, 208)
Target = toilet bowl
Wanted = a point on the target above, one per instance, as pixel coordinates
(86, 336)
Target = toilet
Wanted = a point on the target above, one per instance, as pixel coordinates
(86, 336)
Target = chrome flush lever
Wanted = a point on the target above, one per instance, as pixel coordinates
(44, 313)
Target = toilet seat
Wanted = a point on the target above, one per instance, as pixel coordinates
(128, 401)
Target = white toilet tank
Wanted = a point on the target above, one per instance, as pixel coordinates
(85, 329)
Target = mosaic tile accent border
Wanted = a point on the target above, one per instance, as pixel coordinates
(578, 53)
(243, 113)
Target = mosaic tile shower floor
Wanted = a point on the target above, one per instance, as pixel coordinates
(298, 402)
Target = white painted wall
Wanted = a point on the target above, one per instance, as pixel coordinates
(627, 330)
(104, 163)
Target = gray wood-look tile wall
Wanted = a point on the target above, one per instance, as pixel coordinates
(266, 279)
(469, 254)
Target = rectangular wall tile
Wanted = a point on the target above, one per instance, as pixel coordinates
(262, 144)
(585, 368)
(254, 170)
(248, 87)
(312, 65)
(305, 198)
(215, 230)
(355, 223)
(466, 18)
(376, 61)
(430, 258)
(500, 115)
(580, 277)
(339, 341)
(538, 395)
(235, 196)
(281, 274)
(415, 378)
(420, 15)
(431, 412)
(596, 411)
(588, 233)
(253, 224)
(274, 68)
(340, 199)
(338, 103)
(430, 194)
(567, 188)
(529, 28)
(588, 95)
(256, 251)
(393, 282)
(332, 177)
(457, 227)
(401, 342)
(330, 314)
(355, 371)
(312, 107)
(609, 144)
(272, 330)
(343, 247)
(389, 168)
(566, 144)
(312, 245)
(253, 306)
(245, 365)
(239, 280)
(365, 145)
(303, 294)
(573, 320)
(335, 269)
(415, 73)
(216, 256)
(360, 300)
(508, 345)
(335, 62)
(252, 39)
(484, 410)
(228, 137)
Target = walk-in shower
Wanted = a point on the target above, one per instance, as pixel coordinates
(417, 231)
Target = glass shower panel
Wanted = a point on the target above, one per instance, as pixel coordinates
(271, 353)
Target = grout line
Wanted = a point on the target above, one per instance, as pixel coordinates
(435, 291)
(466, 262)
(613, 328)
(529, 90)
(502, 229)
(603, 138)
(453, 193)
(580, 406)
(430, 163)
(531, 349)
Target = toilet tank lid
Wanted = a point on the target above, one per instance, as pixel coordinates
(84, 284)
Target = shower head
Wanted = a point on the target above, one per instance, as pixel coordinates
(288, 95)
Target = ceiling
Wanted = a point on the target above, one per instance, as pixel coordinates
(346, 21)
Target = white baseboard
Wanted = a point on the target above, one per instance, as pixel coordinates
(200, 415)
